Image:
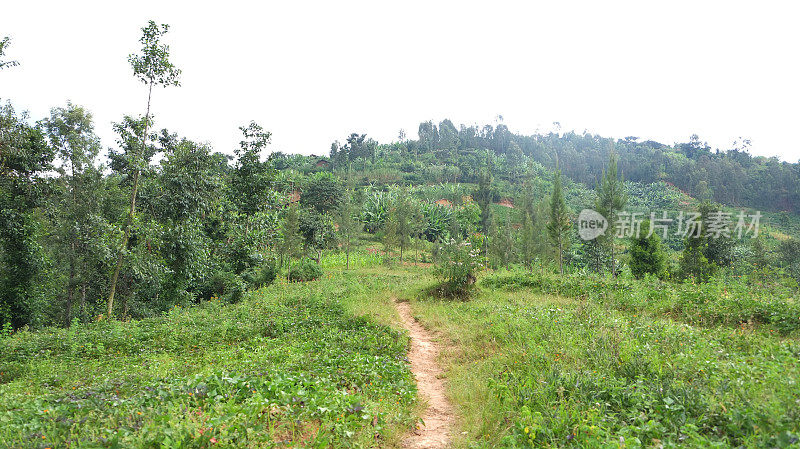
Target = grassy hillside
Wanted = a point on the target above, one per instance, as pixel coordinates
(289, 364)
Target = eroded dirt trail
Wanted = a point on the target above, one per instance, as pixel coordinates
(438, 418)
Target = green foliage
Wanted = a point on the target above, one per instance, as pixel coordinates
(559, 225)
(215, 375)
(457, 265)
(3, 46)
(225, 285)
(260, 277)
(305, 270)
(375, 210)
(565, 373)
(324, 193)
(647, 255)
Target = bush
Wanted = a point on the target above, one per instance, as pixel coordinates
(304, 271)
(457, 264)
(225, 285)
(261, 276)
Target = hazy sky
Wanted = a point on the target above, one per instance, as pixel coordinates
(314, 72)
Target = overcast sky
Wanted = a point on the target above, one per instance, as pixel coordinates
(314, 72)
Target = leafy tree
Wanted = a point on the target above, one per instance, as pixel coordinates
(647, 255)
(24, 158)
(3, 46)
(252, 179)
(559, 225)
(324, 193)
(71, 134)
(611, 198)
(152, 67)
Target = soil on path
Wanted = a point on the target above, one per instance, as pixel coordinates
(435, 430)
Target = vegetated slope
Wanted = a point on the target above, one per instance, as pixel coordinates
(287, 365)
(535, 370)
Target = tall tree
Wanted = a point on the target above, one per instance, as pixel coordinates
(559, 225)
(24, 158)
(611, 198)
(71, 134)
(484, 196)
(153, 68)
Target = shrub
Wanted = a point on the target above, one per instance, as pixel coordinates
(457, 264)
(225, 285)
(261, 276)
(305, 270)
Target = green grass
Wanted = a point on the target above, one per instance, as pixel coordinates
(289, 365)
(531, 361)
(528, 369)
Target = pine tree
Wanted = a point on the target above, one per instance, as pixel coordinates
(559, 225)
(611, 198)
(647, 255)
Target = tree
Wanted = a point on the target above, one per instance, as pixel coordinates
(390, 234)
(24, 158)
(324, 193)
(484, 196)
(349, 226)
(152, 67)
(559, 225)
(407, 219)
(3, 45)
(647, 254)
(292, 239)
(71, 134)
(611, 198)
(252, 179)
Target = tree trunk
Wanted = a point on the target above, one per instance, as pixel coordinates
(132, 210)
(83, 301)
(561, 258)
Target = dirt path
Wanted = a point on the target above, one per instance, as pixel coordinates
(438, 417)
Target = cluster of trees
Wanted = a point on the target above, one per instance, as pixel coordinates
(160, 220)
(157, 221)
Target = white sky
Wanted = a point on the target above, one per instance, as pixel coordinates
(314, 72)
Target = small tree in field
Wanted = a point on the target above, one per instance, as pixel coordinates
(151, 67)
(348, 226)
(647, 255)
(559, 225)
